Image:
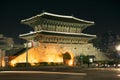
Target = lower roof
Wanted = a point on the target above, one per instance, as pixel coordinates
(57, 33)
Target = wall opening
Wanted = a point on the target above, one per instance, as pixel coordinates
(67, 59)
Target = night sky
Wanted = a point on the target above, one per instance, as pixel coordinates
(105, 14)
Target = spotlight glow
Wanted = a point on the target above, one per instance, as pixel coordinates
(50, 53)
(118, 47)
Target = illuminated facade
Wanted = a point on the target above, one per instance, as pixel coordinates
(55, 35)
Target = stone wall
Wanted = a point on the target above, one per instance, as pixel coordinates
(79, 49)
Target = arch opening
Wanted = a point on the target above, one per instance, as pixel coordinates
(68, 59)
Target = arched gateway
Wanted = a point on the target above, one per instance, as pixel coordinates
(53, 35)
(68, 59)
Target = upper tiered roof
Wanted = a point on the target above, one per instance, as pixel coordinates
(57, 17)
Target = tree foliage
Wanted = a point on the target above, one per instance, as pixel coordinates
(83, 58)
(106, 42)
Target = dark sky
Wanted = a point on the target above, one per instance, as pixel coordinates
(105, 13)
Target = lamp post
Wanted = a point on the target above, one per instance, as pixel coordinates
(1, 58)
(28, 45)
(27, 55)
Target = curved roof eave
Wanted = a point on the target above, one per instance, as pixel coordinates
(56, 15)
(79, 34)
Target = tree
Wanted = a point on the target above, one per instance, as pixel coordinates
(83, 59)
(106, 42)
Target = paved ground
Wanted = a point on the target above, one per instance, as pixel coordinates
(69, 74)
